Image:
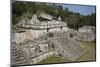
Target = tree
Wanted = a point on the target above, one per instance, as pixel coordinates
(73, 21)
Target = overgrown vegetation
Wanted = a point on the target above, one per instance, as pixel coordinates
(73, 20)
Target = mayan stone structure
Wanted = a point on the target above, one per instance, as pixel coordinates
(31, 43)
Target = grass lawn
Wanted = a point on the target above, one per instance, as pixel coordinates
(90, 47)
(52, 59)
(88, 56)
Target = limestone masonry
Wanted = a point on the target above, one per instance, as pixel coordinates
(42, 36)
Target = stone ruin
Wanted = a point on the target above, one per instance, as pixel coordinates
(33, 44)
(86, 33)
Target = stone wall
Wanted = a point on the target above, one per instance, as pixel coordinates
(83, 35)
(42, 57)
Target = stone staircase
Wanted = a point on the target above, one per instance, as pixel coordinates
(17, 56)
(67, 47)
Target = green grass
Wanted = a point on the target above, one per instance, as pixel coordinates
(90, 51)
(52, 59)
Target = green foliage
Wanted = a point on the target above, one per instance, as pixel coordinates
(28, 15)
(15, 19)
(73, 21)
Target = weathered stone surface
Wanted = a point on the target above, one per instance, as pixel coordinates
(34, 44)
(17, 55)
(35, 24)
(83, 35)
(29, 52)
(23, 22)
(34, 19)
(21, 37)
(44, 15)
(59, 18)
(67, 47)
(87, 29)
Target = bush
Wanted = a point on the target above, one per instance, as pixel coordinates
(28, 15)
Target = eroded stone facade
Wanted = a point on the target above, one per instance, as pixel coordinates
(34, 45)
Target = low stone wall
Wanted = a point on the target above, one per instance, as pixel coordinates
(81, 36)
(43, 56)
